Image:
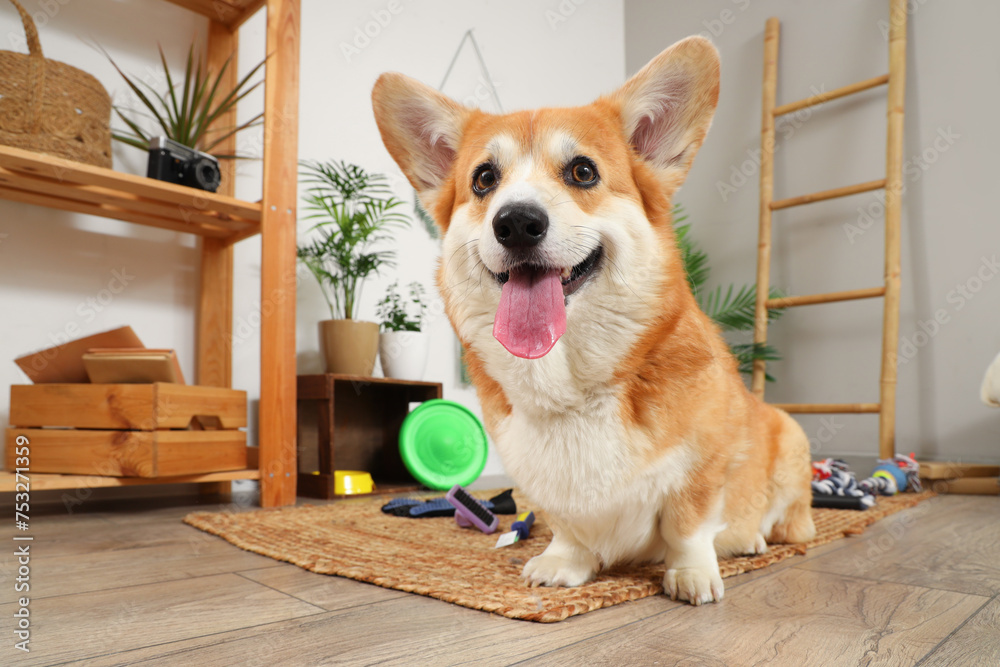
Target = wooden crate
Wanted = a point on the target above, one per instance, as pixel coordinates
(348, 422)
(128, 430)
(130, 453)
(142, 407)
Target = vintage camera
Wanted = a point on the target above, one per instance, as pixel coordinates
(176, 163)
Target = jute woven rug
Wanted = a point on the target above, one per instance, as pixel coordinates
(435, 557)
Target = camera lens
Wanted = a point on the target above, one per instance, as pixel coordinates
(206, 174)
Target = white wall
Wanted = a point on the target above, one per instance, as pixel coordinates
(539, 53)
(950, 238)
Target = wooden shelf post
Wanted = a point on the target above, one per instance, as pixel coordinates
(215, 292)
(215, 296)
(278, 230)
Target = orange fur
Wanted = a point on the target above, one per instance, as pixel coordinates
(635, 433)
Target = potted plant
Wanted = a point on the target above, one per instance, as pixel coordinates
(354, 211)
(402, 345)
(186, 117)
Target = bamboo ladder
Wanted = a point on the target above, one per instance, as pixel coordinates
(893, 186)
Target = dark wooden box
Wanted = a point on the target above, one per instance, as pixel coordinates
(348, 422)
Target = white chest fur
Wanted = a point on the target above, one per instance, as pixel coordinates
(593, 474)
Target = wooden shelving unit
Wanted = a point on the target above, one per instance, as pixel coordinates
(221, 221)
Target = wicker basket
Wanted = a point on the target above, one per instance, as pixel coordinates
(50, 107)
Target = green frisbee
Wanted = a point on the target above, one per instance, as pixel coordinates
(443, 444)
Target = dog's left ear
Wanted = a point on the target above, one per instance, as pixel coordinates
(667, 107)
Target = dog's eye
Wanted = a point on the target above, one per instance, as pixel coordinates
(484, 179)
(582, 171)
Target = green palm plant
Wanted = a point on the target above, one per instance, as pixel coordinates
(186, 111)
(731, 308)
(354, 212)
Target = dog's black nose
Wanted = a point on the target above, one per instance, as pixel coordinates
(520, 225)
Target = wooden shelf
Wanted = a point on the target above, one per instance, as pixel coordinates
(35, 178)
(45, 482)
(230, 13)
(221, 220)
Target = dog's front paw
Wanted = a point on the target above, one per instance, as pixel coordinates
(543, 570)
(759, 545)
(695, 585)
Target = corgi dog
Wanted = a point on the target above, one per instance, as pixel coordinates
(612, 399)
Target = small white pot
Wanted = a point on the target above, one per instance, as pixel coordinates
(403, 354)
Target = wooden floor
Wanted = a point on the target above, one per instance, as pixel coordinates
(114, 585)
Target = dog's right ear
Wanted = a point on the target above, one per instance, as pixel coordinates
(421, 128)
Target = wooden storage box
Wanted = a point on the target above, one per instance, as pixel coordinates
(347, 422)
(129, 430)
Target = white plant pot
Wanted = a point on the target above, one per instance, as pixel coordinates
(403, 354)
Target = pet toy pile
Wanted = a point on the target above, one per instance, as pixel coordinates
(469, 512)
(835, 486)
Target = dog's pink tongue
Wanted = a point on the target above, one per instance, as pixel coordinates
(532, 313)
